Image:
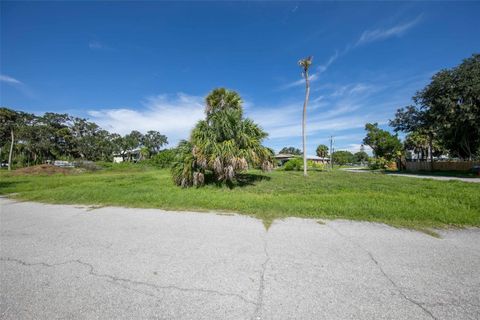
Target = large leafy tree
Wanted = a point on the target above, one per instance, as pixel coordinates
(383, 143)
(225, 143)
(361, 156)
(56, 140)
(9, 122)
(291, 150)
(447, 110)
(305, 65)
(128, 143)
(154, 141)
(13, 131)
(343, 157)
(87, 137)
(322, 151)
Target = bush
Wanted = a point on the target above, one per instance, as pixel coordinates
(381, 163)
(295, 164)
(164, 159)
(312, 165)
(87, 165)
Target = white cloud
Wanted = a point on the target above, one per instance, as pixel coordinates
(18, 85)
(355, 147)
(322, 68)
(285, 121)
(97, 45)
(173, 116)
(382, 34)
(9, 80)
(299, 82)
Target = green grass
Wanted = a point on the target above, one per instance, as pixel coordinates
(398, 201)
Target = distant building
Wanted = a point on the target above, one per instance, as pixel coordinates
(133, 155)
(284, 157)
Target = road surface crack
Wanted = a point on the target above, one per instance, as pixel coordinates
(118, 280)
(261, 287)
(386, 276)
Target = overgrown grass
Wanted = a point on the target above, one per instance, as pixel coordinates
(398, 201)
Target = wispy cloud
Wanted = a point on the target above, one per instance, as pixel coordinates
(356, 147)
(97, 45)
(172, 115)
(285, 122)
(354, 89)
(369, 36)
(9, 80)
(322, 68)
(18, 85)
(299, 82)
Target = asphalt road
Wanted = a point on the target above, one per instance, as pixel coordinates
(72, 262)
(418, 176)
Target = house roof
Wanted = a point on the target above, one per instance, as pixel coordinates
(289, 156)
(284, 155)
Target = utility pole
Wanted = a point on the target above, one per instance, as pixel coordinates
(331, 152)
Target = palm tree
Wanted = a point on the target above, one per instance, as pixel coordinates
(224, 143)
(305, 64)
(322, 151)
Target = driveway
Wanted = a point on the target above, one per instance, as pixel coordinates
(75, 262)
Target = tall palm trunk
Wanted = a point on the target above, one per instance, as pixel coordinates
(305, 103)
(11, 150)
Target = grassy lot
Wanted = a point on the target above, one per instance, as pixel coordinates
(398, 201)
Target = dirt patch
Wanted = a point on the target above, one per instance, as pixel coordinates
(44, 169)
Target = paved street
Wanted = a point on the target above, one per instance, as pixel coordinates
(76, 262)
(418, 176)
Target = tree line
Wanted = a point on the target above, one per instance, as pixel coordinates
(444, 119)
(28, 139)
(340, 157)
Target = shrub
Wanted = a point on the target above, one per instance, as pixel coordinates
(87, 165)
(381, 163)
(295, 164)
(316, 165)
(164, 159)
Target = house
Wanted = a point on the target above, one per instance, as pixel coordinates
(133, 155)
(284, 157)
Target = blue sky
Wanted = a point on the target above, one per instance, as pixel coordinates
(148, 65)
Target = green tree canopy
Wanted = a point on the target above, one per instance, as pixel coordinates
(383, 143)
(361, 156)
(447, 110)
(154, 141)
(291, 150)
(343, 157)
(53, 136)
(225, 143)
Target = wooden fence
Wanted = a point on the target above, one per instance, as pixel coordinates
(442, 165)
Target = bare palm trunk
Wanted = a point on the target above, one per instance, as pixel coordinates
(307, 94)
(11, 150)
